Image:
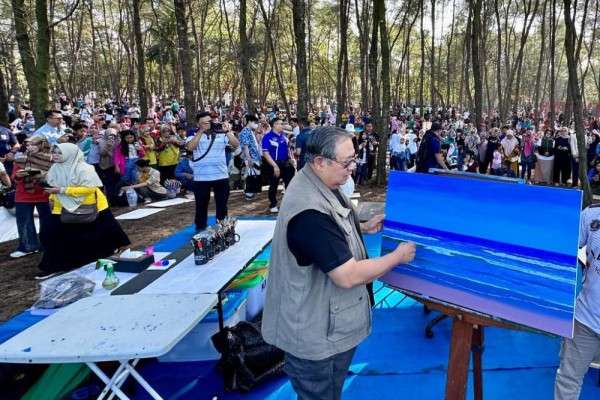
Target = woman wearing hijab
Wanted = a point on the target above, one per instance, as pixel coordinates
(67, 245)
(545, 159)
(28, 173)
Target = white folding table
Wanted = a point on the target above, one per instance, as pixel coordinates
(110, 328)
(216, 275)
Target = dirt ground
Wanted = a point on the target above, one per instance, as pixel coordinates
(20, 290)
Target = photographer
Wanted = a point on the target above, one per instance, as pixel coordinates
(207, 147)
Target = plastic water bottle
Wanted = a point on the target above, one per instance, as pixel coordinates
(132, 197)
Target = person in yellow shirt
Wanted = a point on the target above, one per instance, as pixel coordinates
(168, 152)
(149, 145)
(72, 183)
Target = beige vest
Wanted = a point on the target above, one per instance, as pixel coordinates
(305, 313)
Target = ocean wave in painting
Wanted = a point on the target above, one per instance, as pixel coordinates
(526, 282)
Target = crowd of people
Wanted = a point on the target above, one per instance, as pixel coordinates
(229, 147)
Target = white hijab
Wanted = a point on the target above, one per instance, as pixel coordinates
(72, 171)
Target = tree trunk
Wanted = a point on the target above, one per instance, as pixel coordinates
(362, 23)
(552, 64)
(570, 50)
(245, 59)
(299, 15)
(385, 86)
(475, 35)
(422, 65)
(498, 60)
(186, 61)
(36, 77)
(268, 21)
(449, 69)
(342, 63)
(141, 62)
(432, 59)
(3, 99)
(538, 76)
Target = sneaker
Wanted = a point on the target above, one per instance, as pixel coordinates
(43, 276)
(147, 201)
(274, 210)
(19, 254)
(249, 196)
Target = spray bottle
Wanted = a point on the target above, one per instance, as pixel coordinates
(111, 281)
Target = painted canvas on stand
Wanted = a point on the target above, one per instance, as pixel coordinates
(503, 249)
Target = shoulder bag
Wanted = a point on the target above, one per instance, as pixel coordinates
(84, 214)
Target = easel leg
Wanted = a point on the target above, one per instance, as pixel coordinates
(477, 349)
(220, 311)
(458, 362)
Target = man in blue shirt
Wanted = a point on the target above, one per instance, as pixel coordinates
(429, 154)
(276, 152)
(52, 129)
(305, 132)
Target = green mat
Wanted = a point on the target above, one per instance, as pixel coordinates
(58, 381)
(251, 276)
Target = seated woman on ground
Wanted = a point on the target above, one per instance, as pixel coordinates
(69, 241)
(148, 186)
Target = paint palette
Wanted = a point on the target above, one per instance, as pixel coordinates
(498, 247)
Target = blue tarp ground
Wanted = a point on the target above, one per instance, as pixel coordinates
(397, 361)
(17, 324)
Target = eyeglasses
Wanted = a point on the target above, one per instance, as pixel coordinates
(348, 164)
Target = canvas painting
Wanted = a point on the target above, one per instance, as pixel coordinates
(505, 249)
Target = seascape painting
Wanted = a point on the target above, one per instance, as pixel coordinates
(500, 248)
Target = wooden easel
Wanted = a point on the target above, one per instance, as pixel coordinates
(467, 338)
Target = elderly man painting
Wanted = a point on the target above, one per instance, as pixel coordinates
(317, 307)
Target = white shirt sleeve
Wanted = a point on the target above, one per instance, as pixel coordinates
(583, 228)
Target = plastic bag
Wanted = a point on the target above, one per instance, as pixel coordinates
(63, 290)
(132, 197)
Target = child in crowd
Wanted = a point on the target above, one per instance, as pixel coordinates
(497, 161)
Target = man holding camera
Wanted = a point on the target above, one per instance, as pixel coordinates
(207, 149)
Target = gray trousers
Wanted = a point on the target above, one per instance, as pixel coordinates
(575, 357)
(318, 380)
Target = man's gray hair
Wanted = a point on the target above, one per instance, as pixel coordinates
(323, 142)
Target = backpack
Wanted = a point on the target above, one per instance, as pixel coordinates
(246, 359)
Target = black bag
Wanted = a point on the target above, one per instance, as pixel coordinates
(84, 214)
(7, 199)
(421, 161)
(246, 359)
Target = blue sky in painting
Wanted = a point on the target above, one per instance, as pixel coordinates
(536, 217)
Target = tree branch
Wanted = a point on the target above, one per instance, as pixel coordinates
(66, 17)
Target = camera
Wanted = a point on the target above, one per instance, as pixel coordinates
(216, 127)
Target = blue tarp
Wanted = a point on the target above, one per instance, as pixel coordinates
(398, 362)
